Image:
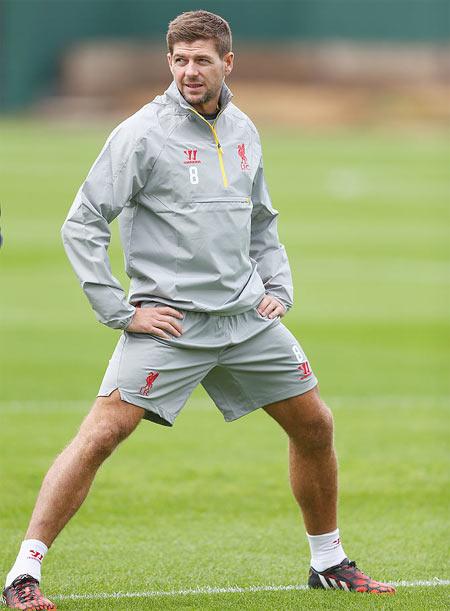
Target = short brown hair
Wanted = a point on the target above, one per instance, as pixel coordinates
(200, 25)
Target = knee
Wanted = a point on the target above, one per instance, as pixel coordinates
(314, 431)
(103, 439)
(99, 434)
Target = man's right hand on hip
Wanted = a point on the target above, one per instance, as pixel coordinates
(159, 320)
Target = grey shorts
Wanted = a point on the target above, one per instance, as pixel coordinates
(243, 361)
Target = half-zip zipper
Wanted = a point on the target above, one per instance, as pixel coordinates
(218, 147)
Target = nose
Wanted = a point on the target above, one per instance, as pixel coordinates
(191, 69)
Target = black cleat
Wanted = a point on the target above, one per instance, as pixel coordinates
(24, 593)
(346, 576)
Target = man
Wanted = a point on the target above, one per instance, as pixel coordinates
(209, 284)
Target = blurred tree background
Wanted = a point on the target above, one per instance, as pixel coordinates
(342, 61)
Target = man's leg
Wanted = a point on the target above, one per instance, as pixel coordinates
(68, 480)
(313, 475)
(312, 460)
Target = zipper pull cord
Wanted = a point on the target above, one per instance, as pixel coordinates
(218, 146)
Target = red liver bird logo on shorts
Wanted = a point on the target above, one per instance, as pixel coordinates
(144, 390)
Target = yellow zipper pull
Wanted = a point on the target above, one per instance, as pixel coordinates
(218, 146)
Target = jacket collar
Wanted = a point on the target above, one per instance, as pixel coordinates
(174, 94)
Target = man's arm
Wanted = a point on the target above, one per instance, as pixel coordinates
(265, 247)
(117, 175)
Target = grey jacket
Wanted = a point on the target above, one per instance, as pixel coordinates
(196, 221)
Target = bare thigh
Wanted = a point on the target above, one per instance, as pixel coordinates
(111, 419)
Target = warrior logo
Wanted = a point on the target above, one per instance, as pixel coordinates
(243, 156)
(303, 366)
(305, 369)
(149, 383)
(191, 156)
(36, 555)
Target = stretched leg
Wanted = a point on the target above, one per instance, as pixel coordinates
(63, 491)
(69, 478)
(312, 460)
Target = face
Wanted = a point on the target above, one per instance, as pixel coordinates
(199, 72)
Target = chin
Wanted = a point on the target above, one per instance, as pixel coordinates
(188, 95)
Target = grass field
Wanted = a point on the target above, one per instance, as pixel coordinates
(364, 217)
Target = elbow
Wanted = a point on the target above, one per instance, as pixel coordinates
(64, 232)
(68, 233)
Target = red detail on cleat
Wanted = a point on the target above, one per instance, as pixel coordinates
(24, 593)
(348, 573)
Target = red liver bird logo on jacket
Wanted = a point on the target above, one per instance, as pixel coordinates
(243, 156)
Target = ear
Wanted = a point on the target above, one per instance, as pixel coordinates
(228, 61)
(169, 59)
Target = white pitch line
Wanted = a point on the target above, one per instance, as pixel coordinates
(230, 590)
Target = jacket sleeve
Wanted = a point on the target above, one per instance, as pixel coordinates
(117, 175)
(265, 247)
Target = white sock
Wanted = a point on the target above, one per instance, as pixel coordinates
(28, 561)
(326, 550)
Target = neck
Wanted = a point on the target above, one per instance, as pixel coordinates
(208, 108)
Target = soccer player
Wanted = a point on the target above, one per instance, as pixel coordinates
(209, 284)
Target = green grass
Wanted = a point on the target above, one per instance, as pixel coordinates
(364, 217)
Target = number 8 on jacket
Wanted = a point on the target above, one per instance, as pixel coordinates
(193, 175)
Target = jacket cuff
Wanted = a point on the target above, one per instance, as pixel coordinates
(287, 305)
(120, 323)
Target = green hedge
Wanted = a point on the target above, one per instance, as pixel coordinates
(33, 33)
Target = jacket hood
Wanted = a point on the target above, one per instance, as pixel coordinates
(174, 94)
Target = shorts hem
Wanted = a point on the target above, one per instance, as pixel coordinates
(154, 414)
(281, 396)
